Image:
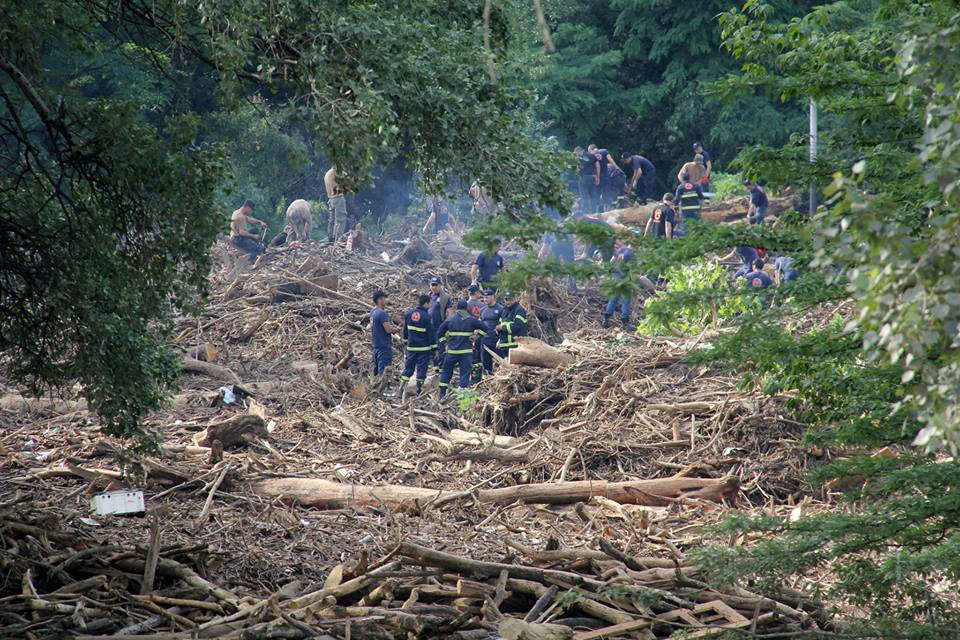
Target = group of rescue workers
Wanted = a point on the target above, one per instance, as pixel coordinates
(471, 334)
(467, 335)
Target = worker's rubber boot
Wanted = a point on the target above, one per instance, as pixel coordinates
(627, 325)
(605, 323)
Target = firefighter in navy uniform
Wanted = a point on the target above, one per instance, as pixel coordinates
(475, 306)
(490, 316)
(420, 338)
(457, 332)
(689, 197)
(513, 323)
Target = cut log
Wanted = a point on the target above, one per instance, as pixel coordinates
(17, 403)
(458, 436)
(238, 430)
(214, 371)
(324, 494)
(536, 353)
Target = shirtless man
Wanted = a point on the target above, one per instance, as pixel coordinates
(298, 215)
(242, 233)
(337, 219)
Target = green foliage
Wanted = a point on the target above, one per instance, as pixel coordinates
(634, 75)
(686, 310)
(466, 400)
(883, 73)
(727, 185)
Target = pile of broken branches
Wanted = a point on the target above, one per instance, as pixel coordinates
(70, 584)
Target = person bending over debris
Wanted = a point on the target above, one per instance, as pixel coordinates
(783, 270)
(381, 328)
(490, 316)
(486, 269)
(758, 203)
(513, 323)
(662, 219)
(242, 232)
(300, 220)
(457, 332)
(690, 198)
(337, 218)
(756, 277)
(642, 174)
(420, 338)
(622, 255)
(747, 255)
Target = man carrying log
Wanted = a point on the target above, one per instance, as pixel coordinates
(485, 270)
(662, 219)
(242, 232)
(457, 332)
(513, 322)
(420, 338)
(622, 254)
(381, 328)
(300, 220)
(337, 218)
(490, 316)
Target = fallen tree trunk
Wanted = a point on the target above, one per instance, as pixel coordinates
(325, 494)
(537, 353)
(214, 371)
(17, 403)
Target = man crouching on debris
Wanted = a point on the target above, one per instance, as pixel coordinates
(458, 331)
(381, 327)
(420, 338)
(242, 233)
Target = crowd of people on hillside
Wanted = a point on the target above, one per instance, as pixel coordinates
(471, 332)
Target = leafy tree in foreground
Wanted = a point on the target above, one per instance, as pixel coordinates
(107, 192)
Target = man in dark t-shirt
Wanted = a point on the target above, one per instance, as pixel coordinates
(662, 219)
(487, 266)
(758, 203)
(381, 327)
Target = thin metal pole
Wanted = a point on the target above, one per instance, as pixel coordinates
(813, 154)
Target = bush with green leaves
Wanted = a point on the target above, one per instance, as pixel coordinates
(727, 185)
(693, 304)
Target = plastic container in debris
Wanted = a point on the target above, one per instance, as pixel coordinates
(119, 503)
